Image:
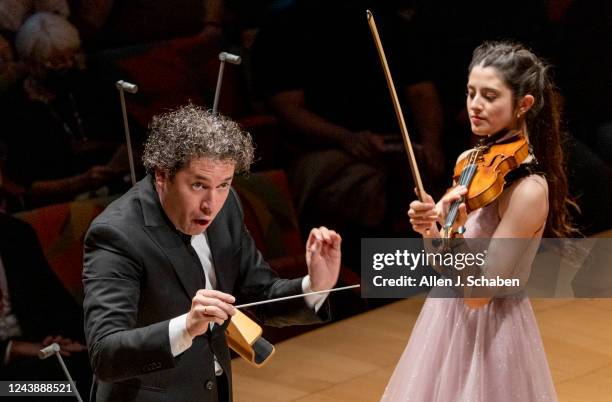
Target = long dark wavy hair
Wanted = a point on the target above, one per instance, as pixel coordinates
(525, 73)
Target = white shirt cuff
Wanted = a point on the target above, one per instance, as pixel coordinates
(312, 301)
(180, 340)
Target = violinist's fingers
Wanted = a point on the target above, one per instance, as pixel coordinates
(421, 206)
(428, 212)
(421, 228)
(423, 220)
(421, 210)
(426, 197)
(454, 194)
(460, 190)
(462, 217)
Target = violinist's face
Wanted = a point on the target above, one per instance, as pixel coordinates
(490, 102)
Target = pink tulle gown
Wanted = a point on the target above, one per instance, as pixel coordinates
(458, 354)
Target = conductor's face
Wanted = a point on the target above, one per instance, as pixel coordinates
(196, 193)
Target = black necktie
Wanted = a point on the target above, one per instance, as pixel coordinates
(198, 264)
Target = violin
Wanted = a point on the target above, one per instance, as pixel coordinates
(483, 172)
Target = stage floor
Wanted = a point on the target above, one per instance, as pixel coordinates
(352, 360)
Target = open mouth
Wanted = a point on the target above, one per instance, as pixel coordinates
(202, 222)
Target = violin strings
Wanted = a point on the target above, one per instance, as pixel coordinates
(466, 175)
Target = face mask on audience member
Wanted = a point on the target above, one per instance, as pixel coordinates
(59, 81)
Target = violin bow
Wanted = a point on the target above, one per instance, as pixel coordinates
(398, 109)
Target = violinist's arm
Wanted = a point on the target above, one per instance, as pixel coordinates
(525, 209)
(523, 212)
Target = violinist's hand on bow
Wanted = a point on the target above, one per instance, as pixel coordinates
(423, 216)
(209, 306)
(323, 258)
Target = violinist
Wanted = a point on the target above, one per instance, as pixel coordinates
(490, 349)
(165, 263)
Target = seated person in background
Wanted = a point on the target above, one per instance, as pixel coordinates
(35, 311)
(111, 24)
(11, 70)
(13, 13)
(57, 140)
(317, 68)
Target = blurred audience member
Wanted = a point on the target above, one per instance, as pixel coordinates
(316, 66)
(585, 31)
(108, 23)
(13, 13)
(35, 311)
(57, 137)
(585, 66)
(11, 70)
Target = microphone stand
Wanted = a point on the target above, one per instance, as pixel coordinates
(223, 57)
(131, 88)
(54, 349)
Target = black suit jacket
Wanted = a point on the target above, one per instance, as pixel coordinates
(139, 273)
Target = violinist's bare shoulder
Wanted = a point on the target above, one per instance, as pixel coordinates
(525, 203)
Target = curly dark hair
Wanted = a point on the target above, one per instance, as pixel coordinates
(191, 132)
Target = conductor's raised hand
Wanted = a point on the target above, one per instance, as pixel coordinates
(209, 306)
(323, 257)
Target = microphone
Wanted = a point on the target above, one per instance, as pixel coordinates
(230, 58)
(127, 86)
(48, 351)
